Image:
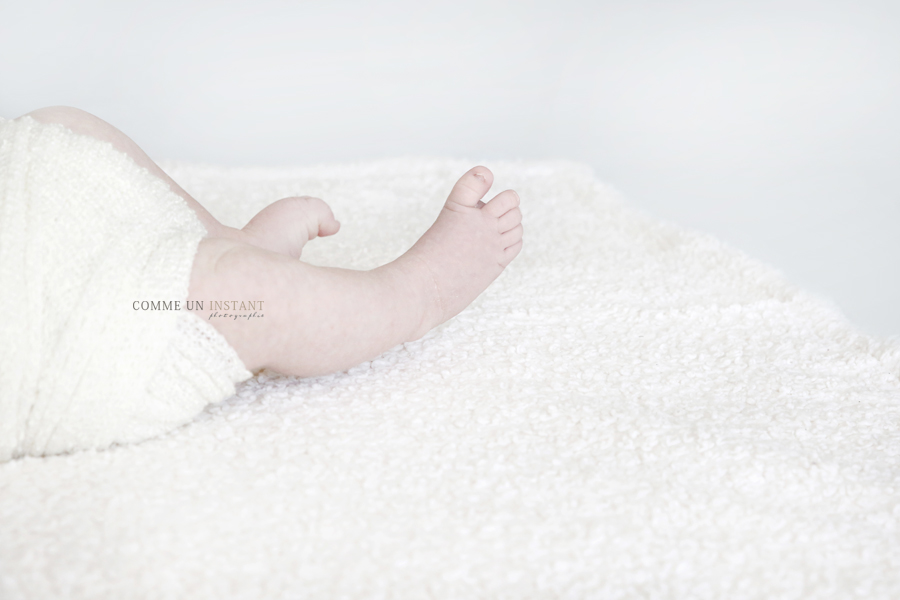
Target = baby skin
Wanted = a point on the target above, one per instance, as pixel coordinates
(320, 320)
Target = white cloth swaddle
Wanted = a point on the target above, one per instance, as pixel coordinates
(84, 233)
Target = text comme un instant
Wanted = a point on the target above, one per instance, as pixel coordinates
(198, 304)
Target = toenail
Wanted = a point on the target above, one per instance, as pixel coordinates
(479, 176)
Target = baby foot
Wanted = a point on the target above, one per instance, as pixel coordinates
(468, 246)
(286, 225)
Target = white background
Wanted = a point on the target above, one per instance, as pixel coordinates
(772, 125)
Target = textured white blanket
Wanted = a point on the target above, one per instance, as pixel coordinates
(85, 236)
(630, 411)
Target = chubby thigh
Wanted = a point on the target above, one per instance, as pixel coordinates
(298, 319)
(231, 288)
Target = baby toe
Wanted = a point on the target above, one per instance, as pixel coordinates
(509, 220)
(472, 187)
(510, 253)
(502, 203)
(512, 236)
(329, 227)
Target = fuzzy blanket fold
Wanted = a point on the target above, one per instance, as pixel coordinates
(631, 411)
(85, 234)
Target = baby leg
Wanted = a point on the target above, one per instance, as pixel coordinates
(317, 320)
(320, 320)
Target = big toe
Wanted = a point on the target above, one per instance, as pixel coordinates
(472, 186)
(329, 227)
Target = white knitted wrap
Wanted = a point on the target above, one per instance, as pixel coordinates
(84, 233)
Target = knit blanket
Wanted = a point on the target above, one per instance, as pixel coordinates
(88, 240)
(631, 410)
